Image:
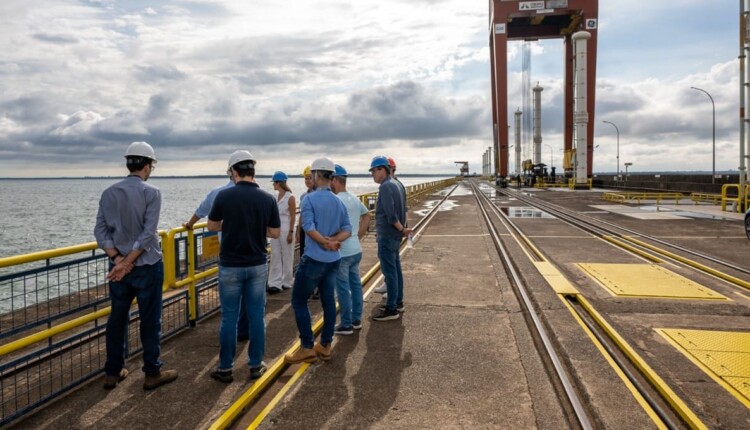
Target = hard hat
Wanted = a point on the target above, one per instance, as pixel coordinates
(379, 161)
(322, 163)
(279, 177)
(140, 149)
(339, 171)
(392, 162)
(239, 156)
(306, 171)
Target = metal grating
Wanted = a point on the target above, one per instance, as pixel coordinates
(647, 281)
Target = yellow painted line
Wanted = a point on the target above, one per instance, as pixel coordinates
(554, 278)
(633, 390)
(277, 398)
(722, 355)
(634, 250)
(724, 276)
(671, 397)
(648, 281)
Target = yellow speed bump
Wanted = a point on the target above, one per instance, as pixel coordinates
(722, 355)
(648, 281)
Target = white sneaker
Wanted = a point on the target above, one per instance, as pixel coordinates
(385, 296)
(381, 289)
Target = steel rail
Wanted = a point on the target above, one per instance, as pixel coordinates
(593, 220)
(570, 392)
(579, 221)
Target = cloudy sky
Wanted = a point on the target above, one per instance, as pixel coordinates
(81, 79)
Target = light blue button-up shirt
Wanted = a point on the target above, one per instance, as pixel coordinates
(128, 218)
(205, 207)
(325, 213)
(355, 209)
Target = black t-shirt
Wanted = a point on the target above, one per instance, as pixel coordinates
(246, 212)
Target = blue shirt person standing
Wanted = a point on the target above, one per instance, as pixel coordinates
(126, 230)
(326, 224)
(348, 281)
(246, 216)
(390, 226)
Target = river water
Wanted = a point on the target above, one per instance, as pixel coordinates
(42, 214)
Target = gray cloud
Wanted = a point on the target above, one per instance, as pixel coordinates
(157, 73)
(58, 39)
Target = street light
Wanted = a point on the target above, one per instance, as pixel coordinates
(626, 170)
(618, 146)
(713, 108)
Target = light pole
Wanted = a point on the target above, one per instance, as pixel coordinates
(618, 146)
(626, 170)
(713, 108)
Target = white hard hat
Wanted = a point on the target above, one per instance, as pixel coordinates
(323, 163)
(140, 149)
(239, 156)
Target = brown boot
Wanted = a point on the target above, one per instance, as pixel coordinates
(111, 381)
(302, 354)
(158, 379)
(324, 352)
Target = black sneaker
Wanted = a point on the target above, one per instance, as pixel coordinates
(399, 307)
(258, 371)
(356, 324)
(222, 375)
(340, 329)
(273, 290)
(386, 315)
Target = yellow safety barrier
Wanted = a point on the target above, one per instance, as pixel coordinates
(704, 197)
(738, 200)
(622, 197)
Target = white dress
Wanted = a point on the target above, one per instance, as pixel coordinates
(282, 253)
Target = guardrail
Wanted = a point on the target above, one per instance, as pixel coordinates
(737, 202)
(622, 197)
(54, 305)
(705, 198)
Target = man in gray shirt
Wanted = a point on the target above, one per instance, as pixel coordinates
(126, 230)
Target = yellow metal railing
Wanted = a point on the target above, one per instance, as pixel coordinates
(725, 199)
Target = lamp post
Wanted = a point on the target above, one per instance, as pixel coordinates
(713, 108)
(618, 146)
(626, 170)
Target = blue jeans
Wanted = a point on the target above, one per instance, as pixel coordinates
(143, 283)
(390, 265)
(349, 290)
(313, 274)
(242, 287)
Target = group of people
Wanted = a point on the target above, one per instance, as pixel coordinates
(331, 224)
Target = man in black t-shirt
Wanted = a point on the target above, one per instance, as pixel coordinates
(246, 216)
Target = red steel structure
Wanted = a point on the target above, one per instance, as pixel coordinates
(532, 20)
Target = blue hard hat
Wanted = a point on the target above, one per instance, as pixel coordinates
(279, 176)
(339, 171)
(379, 161)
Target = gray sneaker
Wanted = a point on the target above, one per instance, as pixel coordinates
(381, 289)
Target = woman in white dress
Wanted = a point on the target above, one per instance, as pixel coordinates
(282, 249)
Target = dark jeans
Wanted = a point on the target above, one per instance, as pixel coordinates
(143, 283)
(390, 265)
(312, 274)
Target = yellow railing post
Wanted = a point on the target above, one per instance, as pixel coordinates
(192, 292)
(168, 251)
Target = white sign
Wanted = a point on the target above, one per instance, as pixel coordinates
(551, 4)
(541, 11)
(590, 23)
(500, 28)
(531, 5)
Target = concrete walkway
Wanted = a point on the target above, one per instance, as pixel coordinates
(460, 356)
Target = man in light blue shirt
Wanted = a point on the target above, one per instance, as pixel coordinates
(348, 281)
(326, 224)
